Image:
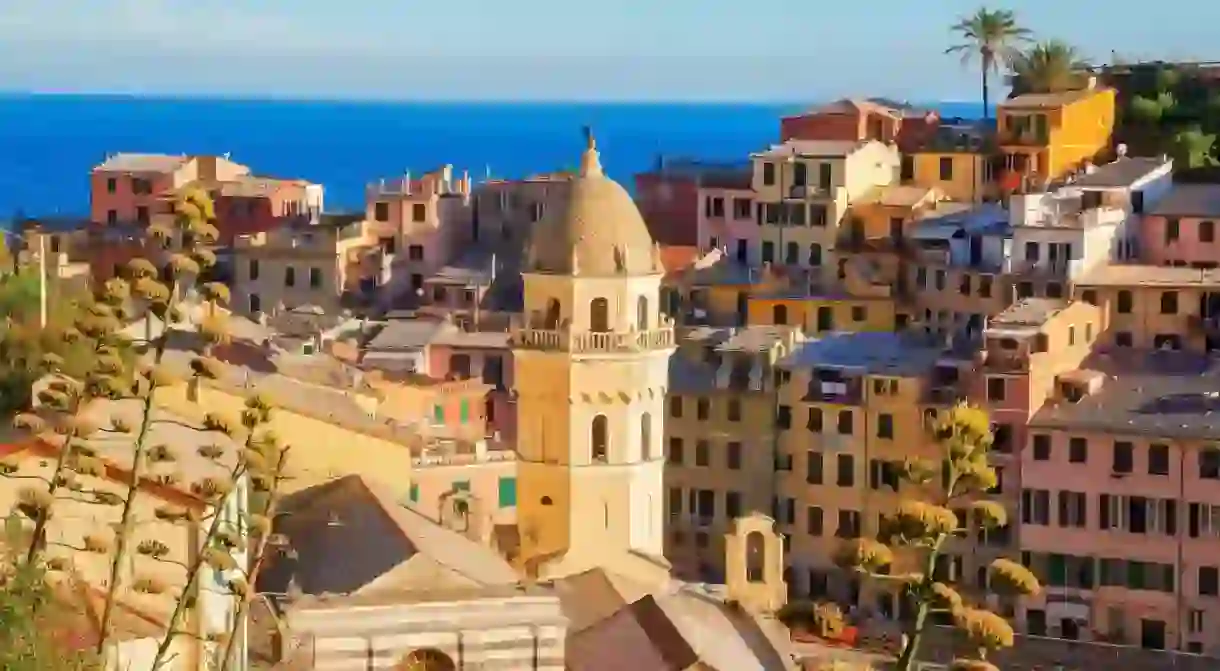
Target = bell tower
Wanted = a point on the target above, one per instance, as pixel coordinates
(591, 355)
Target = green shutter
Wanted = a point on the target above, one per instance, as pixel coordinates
(461, 485)
(438, 413)
(464, 412)
(508, 492)
(414, 493)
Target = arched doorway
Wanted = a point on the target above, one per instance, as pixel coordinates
(599, 315)
(426, 659)
(551, 319)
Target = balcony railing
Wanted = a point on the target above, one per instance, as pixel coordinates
(1003, 361)
(585, 342)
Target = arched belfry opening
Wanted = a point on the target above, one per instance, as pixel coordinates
(756, 556)
(599, 438)
(426, 659)
(599, 315)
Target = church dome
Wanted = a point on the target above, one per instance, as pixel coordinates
(595, 229)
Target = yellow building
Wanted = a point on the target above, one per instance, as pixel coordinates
(882, 217)
(716, 291)
(850, 405)
(962, 172)
(856, 302)
(1045, 136)
(313, 265)
(591, 358)
(1155, 307)
(720, 437)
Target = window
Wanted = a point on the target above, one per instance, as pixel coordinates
(413, 493)
(508, 492)
(815, 254)
(381, 211)
(1124, 339)
(1207, 231)
(814, 421)
(825, 175)
(419, 212)
(1209, 463)
(112, 185)
(946, 168)
(1172, 230)
(814, 468)
(703, 453)
(1125, 302)
(1124, 457)
(675, 451)
(815, 521)
(885, 426)
(844, 422)
(1078, 450)
(1158, 459)
(995, 389)
(253, 270)
(734, 410)
(290, 276)
(845, 474)
(599, 438)
(783, 417)
(768, 174)
(779, 315)
(675, 406)
(599, 315)
(438, 414)
(733, 455)
(768, 251)
(849, 524)
(859, 313)
(315, 278)
(112, 216)
(908, 168)
(1042, 447)
(703, 409)
(742, 208)
(732, 504)
(1036, 506)
(415, 252)
(641, 313)
(464, 411)
(1209, 581)
(1169, 302)
(1073, 509)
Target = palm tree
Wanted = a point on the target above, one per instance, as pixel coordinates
(992, 36)
(1053, 65)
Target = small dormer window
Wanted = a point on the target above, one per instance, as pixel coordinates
(1071, 393)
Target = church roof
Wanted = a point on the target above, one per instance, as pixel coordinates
(350, 537)
(595, 230)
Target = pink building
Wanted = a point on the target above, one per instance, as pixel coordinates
(1181, 228)
(457, 354)
(129, 188)
(1120, 512)
(726, 218)
(420, 223)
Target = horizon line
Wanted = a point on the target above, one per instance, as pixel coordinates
(369, 99)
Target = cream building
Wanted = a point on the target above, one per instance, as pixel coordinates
(583, 586)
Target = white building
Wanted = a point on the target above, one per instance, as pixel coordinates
(1059, 235)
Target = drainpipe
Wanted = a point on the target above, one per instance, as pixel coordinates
(1178, 537)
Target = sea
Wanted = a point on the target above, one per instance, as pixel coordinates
(48, 143)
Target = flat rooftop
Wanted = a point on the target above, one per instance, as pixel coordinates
(1129, 275)
(811, 149)
(757, 338)
(1154, 394)
(895, 354)
(1122, 173)
(1031, 313)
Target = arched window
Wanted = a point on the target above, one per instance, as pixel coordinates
(779, 315)
(641, 314)
(427, 659)
(599, 315)
(599, 439)
(815, 254)
(646, 437)
(756, 556)
(552, 314)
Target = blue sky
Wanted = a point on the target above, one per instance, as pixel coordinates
(550, 49)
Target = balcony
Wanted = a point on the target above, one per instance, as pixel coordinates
(1205, 325)
(584, 342)
(1003, 361)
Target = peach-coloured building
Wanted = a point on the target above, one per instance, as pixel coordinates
(728, 216)
(128, 188)
(485, 356)
(1180, 230)
(419, 223)
(1121, 511)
